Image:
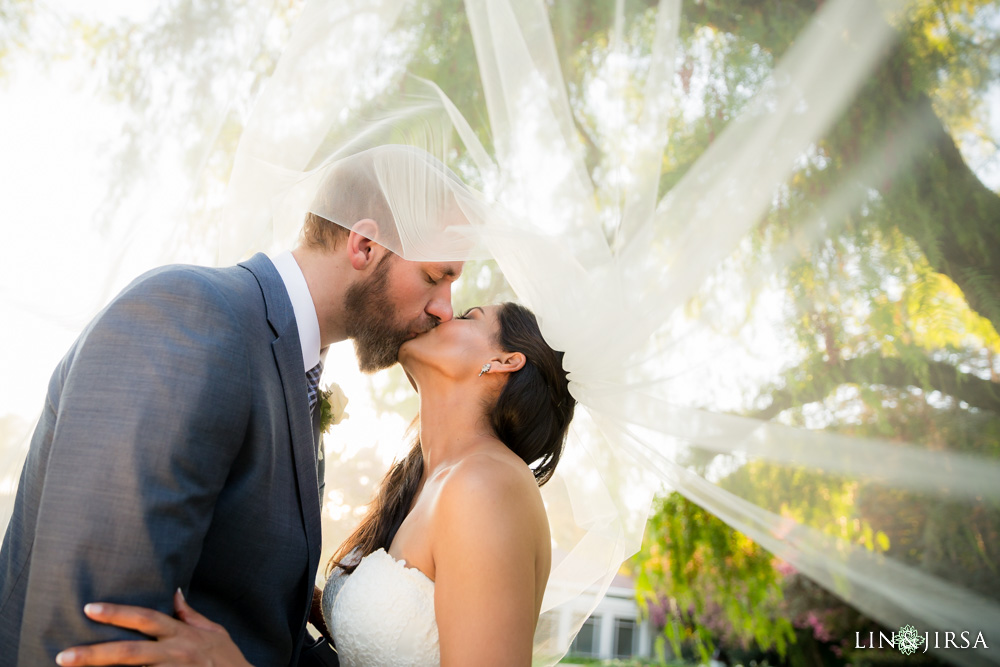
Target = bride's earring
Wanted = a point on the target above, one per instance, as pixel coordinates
(485, 369)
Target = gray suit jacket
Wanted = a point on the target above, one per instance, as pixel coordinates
(175, 449)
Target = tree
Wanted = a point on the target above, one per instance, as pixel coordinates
(894, 308)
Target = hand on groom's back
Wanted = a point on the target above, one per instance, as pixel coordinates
(188, 640)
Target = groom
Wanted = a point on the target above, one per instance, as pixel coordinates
(178, 445)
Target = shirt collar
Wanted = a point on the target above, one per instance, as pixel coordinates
(302, 305)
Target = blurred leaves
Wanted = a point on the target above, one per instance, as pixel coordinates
(887, 245)
(704, 583)
(15, 20)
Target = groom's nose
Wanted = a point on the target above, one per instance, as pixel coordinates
(439, 307)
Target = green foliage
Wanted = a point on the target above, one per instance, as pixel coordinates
(892, 293)
(708, 581)
(15, 23)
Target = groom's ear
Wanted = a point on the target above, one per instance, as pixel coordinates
(362, 250)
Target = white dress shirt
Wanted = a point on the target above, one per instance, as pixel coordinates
(302, 305)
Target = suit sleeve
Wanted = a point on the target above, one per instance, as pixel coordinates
(150, 411)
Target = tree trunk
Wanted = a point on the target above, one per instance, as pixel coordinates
(936, 200)
(955, 219)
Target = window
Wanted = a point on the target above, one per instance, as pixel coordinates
(586, 643)
(626, 636)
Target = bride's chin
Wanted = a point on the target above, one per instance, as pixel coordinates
(405, 356)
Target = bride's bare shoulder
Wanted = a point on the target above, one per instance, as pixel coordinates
(490, 486)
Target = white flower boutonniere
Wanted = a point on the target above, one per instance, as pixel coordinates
(332, 404)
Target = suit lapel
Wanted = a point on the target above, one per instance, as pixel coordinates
(288, 357)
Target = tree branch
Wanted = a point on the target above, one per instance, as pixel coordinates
(874, 369)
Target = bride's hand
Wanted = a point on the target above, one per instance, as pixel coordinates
(190, 639)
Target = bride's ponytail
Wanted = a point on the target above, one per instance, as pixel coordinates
(386, 512)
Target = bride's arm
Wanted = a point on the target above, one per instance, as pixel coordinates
(487, 537)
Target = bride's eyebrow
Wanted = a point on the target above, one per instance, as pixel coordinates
(466, 313)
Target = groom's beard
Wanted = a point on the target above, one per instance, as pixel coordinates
(371, 323)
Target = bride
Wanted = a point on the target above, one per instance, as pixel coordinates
(451, 562)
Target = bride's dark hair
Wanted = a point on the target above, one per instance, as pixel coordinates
(531, 416)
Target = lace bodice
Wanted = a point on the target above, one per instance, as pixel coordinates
(382, 614)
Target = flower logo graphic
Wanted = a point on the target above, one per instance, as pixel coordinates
(908, 640)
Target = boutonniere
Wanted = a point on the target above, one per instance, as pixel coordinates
(332, 402)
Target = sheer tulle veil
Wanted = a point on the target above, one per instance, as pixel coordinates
(610, 260)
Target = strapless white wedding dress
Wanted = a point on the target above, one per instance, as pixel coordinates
(382, 615)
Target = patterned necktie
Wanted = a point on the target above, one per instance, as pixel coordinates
(312, 384)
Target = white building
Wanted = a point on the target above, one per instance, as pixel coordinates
(614, 630)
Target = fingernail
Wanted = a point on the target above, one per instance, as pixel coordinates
(93, 608)
(66, 657)
(181, 593)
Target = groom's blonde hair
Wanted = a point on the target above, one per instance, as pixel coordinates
(351, 192)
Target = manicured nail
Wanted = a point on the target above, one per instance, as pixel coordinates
(66, 657)
(93, 608)
(181, 593)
